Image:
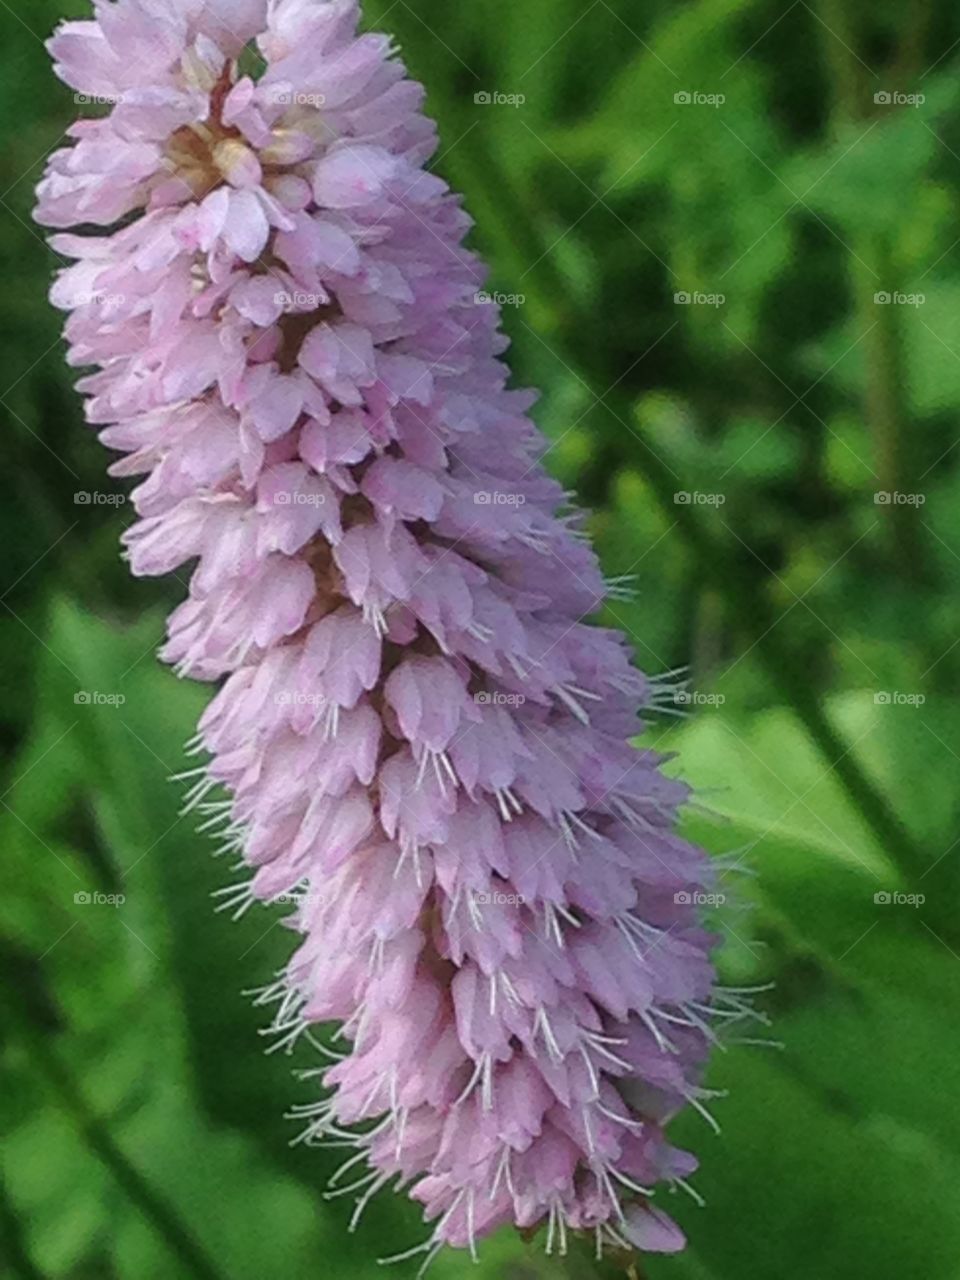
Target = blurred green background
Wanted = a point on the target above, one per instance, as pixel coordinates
(793, 170)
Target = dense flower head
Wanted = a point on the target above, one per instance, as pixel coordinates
(423, 741)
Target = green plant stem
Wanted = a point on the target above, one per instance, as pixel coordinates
(849, 77)
(918, 18)
(885, 408)
(753, 608)
(13, 1238)
(873, 269)
(154, 1206)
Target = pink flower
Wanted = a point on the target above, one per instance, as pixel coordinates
(420, 736)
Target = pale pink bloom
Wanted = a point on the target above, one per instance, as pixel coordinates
(420, 735)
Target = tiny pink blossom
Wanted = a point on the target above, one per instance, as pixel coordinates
(420, 736)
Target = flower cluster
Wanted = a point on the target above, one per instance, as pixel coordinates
(421, 738)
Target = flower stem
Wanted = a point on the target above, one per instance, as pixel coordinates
(154, 1206)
